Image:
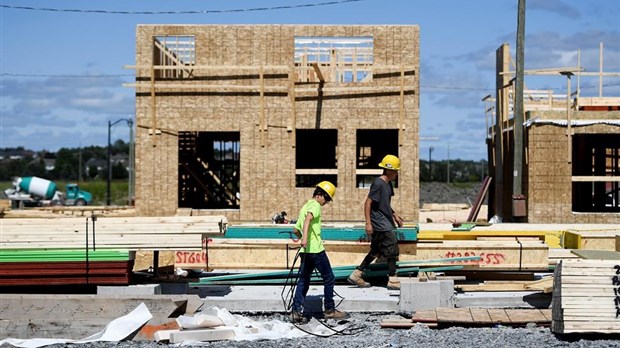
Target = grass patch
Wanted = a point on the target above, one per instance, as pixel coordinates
(98, 188)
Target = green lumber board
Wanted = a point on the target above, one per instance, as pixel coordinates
(380, 268)
(42, 255)
(465, 226)
(317, 279)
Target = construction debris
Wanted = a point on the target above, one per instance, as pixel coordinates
(472, 317)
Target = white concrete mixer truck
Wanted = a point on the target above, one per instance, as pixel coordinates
(32, 191)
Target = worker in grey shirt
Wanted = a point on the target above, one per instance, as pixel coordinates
(381, 221)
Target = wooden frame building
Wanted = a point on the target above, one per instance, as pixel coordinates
(571, 151)
(244, 120)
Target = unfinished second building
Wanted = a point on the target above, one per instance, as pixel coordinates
(571, 151)
(245, 120)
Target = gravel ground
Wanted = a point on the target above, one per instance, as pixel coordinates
(371, 335)
(441, 192)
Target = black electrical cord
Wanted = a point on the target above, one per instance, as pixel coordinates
(289, 299)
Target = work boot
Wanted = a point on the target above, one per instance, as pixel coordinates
(393, 283)
(356, 279)
(297, 317)
(334, 314)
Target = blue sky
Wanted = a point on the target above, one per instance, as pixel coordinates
(62, 71)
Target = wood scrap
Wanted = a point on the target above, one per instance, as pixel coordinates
(545, 285)
(473, 317)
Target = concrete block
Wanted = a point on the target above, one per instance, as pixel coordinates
(143, 289)
(415, 295)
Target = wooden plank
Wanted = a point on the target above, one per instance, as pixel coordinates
(490, 287)
(598, 254)
(481, 315)
(425, 316)
(454, 315)
(479, 199)
(498, 315)
(524, 316)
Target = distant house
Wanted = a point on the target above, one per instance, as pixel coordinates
(100, 164)
(50, 164)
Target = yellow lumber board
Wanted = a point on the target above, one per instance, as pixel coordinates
(581, 263)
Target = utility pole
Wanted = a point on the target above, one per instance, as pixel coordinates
(448, 171)
(109, 178)
(517, 180)
(430, 163)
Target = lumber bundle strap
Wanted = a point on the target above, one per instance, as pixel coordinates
(126, 233)
(586, 297)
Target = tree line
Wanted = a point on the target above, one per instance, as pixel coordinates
(90, 163)
(70, 164)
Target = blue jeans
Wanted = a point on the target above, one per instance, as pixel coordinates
(308, 263)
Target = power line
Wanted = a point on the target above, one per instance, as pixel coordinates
(272, 8)
(71, 75)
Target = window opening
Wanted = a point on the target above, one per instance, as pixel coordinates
(334, 59)
(315, 157)
(372, 146)
(209, 164)
(596, 156)
(177, 54)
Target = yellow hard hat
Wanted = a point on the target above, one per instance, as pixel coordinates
(328, 187)
(390, 162)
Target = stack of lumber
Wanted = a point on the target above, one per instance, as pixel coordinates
(472, 317)
(508, 255)
(600, 239)
(586, 297)
(64, 267)
(63, 251)
(128, 233)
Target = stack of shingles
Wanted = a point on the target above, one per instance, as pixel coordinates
(586, 297)
(78, 251)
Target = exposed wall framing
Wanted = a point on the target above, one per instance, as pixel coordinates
(253, 81)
